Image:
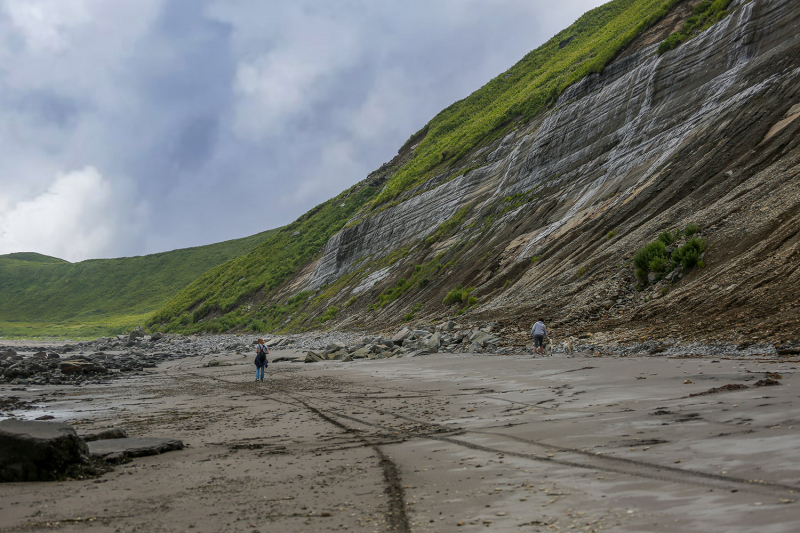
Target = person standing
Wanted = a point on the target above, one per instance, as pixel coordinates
(539, 332)
(261, 359)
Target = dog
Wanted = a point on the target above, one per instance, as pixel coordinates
(569, 345)
(548, 347)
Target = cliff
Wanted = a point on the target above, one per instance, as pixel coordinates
(546, 214)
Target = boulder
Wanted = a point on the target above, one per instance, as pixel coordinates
(420, 333)
(136, 333)
(416, 344)
(401, 336)
(157, 336)
(361, 353)
(339, 355)
(336, 346)
(313, 357)
(483, 338)
(81, 367)
(435, 341)
(38, 451)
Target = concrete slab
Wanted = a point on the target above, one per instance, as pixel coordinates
(118, 449)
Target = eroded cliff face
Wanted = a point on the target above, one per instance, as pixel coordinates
(704, 134)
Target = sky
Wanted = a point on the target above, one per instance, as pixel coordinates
(130, 127)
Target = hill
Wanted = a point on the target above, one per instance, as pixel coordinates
(41, 295)
(635, 176)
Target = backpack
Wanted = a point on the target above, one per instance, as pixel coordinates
(261, 353)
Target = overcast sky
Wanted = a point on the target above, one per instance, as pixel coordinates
(135, 126)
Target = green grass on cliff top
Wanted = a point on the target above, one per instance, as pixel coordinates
(526, 88)
(41, 295)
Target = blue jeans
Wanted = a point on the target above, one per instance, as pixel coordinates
(260, 372)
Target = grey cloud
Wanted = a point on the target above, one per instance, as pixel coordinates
(210, 120)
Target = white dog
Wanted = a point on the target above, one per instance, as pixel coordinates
(569, 345)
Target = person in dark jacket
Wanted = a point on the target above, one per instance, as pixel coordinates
(261, 359)
(539, 332)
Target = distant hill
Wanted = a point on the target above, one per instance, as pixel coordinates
(42, 295)
(32, 257)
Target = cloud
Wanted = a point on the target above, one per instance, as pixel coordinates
(191, 110)
(76, 217)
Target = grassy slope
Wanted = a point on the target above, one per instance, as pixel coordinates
(527, 87)
(45, 295)
(221, 291)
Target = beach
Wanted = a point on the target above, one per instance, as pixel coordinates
(441, 442)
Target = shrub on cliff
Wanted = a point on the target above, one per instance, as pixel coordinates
(689, 254)
(459, 295)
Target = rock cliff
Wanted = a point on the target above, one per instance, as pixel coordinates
(547, 218)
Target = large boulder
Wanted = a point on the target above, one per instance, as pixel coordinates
(401, 336)
(136, 333)
(38, 451)
(313, 357)
(435, 340)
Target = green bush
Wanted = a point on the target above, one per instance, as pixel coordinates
(689, 254)
(666, 237)
(658, 264)
(458, 295)
(329, 314)
(642, 258)
(691, 229)
(580, 273)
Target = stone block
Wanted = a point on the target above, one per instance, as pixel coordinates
(38, 451)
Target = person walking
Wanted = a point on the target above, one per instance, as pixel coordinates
(261, 359)
(539, 332)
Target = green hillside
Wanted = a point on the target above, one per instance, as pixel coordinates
(41, 295)
(221, 299)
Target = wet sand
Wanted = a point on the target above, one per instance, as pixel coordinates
(436, 443)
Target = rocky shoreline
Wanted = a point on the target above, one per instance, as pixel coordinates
(108, 358)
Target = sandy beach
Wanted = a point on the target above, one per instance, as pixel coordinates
(442, 442)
